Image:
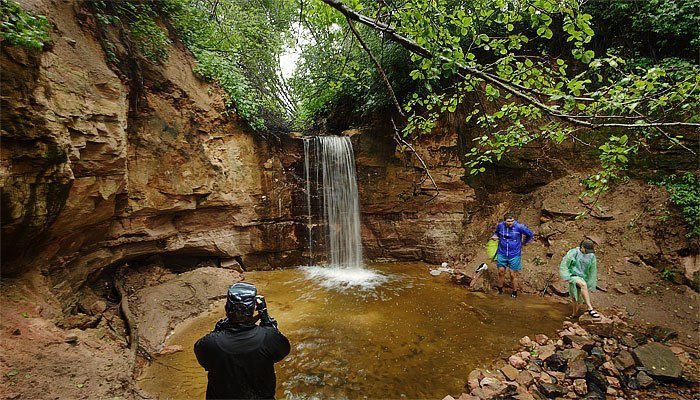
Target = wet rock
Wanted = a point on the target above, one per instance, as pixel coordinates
(525, 378)
(466, 396)
(662, 333)
(231, 263)
(535, 365)
(541, 339)
(510, 373)
(624, 360)
(525, 341)
(517, 362)
(474, 378)
(644, 380)
(659, 360)
(579, 342)
(558, 376)
(611, 391)
(546, 351)
(555, 362)
(551, 390)
(577, 369)
(580, 387)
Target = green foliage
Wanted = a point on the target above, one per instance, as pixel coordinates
(684, 193)
(237, 43)
(138, 19)
(667, 274)
(22, 29)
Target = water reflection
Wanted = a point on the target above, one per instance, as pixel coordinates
(412, 335)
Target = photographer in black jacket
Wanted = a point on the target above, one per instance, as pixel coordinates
(240, 355)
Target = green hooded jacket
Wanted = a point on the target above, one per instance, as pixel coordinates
(577, 264)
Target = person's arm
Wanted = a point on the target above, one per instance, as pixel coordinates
(527, 233)
(494, 236)
(203, 351)
(277, 345)
(564, 271)
(592, 274)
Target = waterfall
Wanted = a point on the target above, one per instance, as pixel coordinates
(334, 185)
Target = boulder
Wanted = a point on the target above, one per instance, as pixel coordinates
(658, 360)
(525, 341)
(571, 355)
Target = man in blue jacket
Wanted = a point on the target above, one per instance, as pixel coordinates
(239, 354)
(511, 236)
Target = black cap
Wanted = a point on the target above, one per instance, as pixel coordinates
(588, 245)
(240, 301)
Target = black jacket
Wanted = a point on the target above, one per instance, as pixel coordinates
(241, 360)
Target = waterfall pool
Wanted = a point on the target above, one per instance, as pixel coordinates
(408, 334)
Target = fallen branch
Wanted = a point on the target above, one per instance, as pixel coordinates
(127, 315)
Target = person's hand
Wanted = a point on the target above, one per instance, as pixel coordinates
(260, 303)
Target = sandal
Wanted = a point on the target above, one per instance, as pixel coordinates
(594, 314)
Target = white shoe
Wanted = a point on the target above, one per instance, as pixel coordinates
(482, 267)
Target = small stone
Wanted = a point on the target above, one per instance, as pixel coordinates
(580, 387)
(555, 362)
(71, 338)
(525, 378)
(525, 341)
(98, 307)
(611, 392)
(614, 382)
(571, 355)
(558, 376)
(524, 355)
(624, 360)
(629, 342)
(517, 362)
(551, 390)
(577, 369)
(467, 396)
(644, 380)
(510, 373)
(610, 369)
(542, 339)
(448, 397)
(546, 351)
(474, 378)
(174, 348)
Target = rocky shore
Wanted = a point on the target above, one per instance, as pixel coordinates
(610, 359)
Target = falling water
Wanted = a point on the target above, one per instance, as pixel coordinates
(337, 197)
(334, 230)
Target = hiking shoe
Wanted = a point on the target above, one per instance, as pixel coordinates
(482, 267)
(500, 290)
(514, 294)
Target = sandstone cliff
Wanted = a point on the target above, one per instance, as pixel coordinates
(98, 169)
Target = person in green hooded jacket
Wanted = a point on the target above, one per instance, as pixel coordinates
(579, 267)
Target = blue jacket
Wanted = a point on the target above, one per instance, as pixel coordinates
(510, 240)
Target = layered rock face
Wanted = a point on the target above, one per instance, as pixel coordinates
(402, 217)
(94, 175)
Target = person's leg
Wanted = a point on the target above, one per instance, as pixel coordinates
(501, 278)
(514, 267)
(500, 263)
(584, 292)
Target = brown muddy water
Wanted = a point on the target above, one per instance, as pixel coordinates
(400, 333)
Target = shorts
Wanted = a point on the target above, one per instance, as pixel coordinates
(510, 263)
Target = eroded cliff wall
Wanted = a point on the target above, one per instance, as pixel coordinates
(94, 174)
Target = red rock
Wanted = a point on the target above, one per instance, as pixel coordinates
(525, 341)
(517, 362)
(170, 349)
(580, 387)
(541, 339)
